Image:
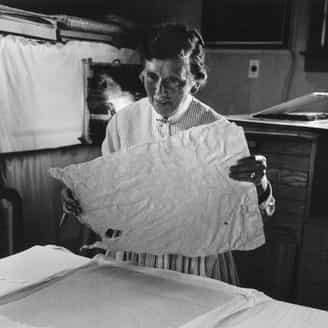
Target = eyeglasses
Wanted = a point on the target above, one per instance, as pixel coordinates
(170, 83)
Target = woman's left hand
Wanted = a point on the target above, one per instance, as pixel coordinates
(251, 169)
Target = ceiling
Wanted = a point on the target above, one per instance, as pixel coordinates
(59, 6)
(130, 9)
(142, 12)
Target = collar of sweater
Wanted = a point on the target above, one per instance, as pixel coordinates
(178, 114)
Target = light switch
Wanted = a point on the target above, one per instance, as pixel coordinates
(254, 68)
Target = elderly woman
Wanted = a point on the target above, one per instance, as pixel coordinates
(174, 70)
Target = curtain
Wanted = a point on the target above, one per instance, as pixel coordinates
(41, 88)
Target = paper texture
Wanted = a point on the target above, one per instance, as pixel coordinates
(117, 294)
(34, 266)
(171, 197)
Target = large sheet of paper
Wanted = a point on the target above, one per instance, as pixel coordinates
(171, 197)
(35, 266)
(116, 294)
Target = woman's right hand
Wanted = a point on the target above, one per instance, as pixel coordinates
(70, 204)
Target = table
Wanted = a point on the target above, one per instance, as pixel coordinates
(106, 293)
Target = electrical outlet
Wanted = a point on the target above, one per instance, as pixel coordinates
(254, 68)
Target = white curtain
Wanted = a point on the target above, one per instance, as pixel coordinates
(41, 90)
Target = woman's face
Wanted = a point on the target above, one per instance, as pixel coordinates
(167, 82)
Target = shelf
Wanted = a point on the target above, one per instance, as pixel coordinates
(62, 28)
(20, 27)
(65, 35)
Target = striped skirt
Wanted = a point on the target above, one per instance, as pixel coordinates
(221, 267)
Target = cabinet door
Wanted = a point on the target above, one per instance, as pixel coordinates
(11, 222)
(272, 267)
(313, 269)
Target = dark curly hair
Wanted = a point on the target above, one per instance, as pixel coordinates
(172, 40)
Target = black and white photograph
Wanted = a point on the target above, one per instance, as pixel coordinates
(163, 164)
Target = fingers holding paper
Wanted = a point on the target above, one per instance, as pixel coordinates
(70, 204)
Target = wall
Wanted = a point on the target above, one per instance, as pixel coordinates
(282, 75)
(304, 82)
(229, 90)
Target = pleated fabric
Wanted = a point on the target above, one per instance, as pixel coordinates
(220, 267)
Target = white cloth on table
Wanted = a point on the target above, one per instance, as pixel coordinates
(110, 293)
(173, 196)
(114, 294)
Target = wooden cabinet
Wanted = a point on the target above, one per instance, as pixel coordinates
(297, 164)
(313, 264)
(11, 222)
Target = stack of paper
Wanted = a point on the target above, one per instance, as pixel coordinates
(35, 266)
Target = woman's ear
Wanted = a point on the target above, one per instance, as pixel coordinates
(142, 77)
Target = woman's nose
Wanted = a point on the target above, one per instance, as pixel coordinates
(160, 87)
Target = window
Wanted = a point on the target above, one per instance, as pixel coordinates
(110, 87)
(246, 23)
